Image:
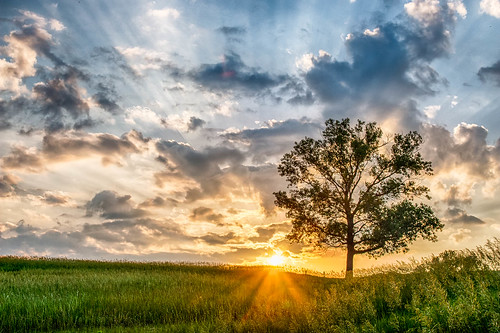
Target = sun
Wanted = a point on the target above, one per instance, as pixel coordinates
(276, 259)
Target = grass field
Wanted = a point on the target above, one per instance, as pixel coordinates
(452, 292)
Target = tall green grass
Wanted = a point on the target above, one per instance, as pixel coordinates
(457, 291)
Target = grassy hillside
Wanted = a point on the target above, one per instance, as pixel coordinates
(452, 292)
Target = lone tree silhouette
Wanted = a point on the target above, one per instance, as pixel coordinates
(351, 189)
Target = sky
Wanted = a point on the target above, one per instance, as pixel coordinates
(152, 130)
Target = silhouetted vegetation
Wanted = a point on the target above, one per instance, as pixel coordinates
(354, 190)
(456, 291)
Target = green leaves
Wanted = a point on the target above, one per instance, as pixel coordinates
(394, 228)
(352, 189)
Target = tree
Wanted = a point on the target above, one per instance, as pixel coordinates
(354, 190)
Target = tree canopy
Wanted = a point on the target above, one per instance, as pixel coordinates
(356, 190)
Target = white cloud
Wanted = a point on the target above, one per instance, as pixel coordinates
(461, 235)
(19, 56)
(38, 20)
(454, 102)
(458, 7)
(42, 22)
(431, 110)
(142, 114)
(372, 33)
(425, 11)
(22, 64)
(323, 53)
(428, 12)
(490, 7)
(56, 25)
(226, 108)
(164, 13)
(305, 62)
(141, 59)
(465, 133)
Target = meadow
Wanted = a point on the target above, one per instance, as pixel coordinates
(456, 291)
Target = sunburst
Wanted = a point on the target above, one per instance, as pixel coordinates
(277, 259)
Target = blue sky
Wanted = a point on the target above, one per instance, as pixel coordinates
(152, 130)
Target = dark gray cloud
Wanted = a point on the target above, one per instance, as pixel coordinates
(274, 140)
(232, 73)
(292, 249)
(109, 237)
(263, 180)
(455, 198)
(232, 31)
(305, 99)
(195, 123)
(10, 109)
(21, 228)
(267, 232)
(216, 239)
(23, 239)
(110, 205)
(113, 240)
(141, 233)
(60, 94)
(54, 199)
(182, 160)
(232, 34)
(112, 56)
(117, 239)
(490, 73)
(22, 158)
(85, 123)
(466, 147)
(389, 67)
(26, 131)
(106, 97)
(58, 147)
(10, 187)
(158, 202)
(37, 39)
(63, 93)
(428, 34)
(206, 214)
(218, 172)
(199, 164)
(378, 62)
(295, 88)
(7, 186)
(376, 82)
(458, 215)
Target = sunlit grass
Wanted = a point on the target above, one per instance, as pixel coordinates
(453, 292)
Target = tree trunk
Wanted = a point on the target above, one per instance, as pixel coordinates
(350, 260)
(350, 248)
